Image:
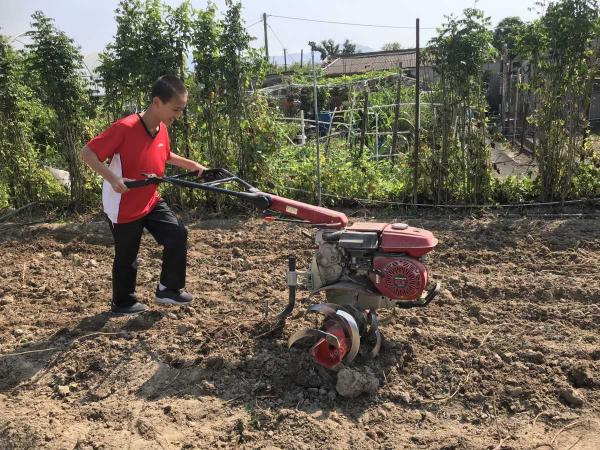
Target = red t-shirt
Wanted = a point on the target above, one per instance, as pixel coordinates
(133, 151)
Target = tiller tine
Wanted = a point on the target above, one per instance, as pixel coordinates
(330, 338)
(346, 325)
(374, 332)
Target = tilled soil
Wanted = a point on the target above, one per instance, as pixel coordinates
(507, 356)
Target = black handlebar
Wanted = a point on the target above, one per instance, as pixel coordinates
(140, 183)
(209, 181)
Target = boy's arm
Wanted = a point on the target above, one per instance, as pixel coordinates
(186, 164)
(90, 158)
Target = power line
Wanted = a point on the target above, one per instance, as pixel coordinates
(255, 23)
(506, 27)
(279, 40)
(350, 23)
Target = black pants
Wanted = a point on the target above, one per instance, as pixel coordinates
(168, 231)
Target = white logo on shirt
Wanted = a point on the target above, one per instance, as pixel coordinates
(161, 145)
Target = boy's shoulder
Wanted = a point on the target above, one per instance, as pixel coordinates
(128, 121)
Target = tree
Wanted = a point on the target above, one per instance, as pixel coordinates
(20, 173)
(234, 127)
(391, 46)
(348, 48)
(147, 45)
(458, 53)
(559, 46)
(180, 25)
(121, 64)
(506, 34)
(328, 48)
(56, 66)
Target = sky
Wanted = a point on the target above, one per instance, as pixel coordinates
(91, 22)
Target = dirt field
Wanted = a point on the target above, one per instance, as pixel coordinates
(508, 356)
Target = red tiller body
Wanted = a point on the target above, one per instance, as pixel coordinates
(313, 214)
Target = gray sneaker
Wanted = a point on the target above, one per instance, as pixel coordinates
(130, 310)
(172, 297)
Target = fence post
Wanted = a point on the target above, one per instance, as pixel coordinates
(396, 114)
(326, 150)
(351, 126)
(376, 136)
(302, 127)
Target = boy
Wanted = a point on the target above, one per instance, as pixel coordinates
(139, 144)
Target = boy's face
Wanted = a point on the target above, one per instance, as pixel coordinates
(169, 111)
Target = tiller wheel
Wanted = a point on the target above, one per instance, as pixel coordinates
(338, 340)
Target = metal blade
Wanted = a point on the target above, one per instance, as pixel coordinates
(373, 321)
(375, 350)
(312, 332)
(327, 309)
(354, 335)
(374, 331)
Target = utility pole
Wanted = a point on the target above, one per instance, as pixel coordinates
(417, 116)
(284, 60)
(266, 38)
(301, 56)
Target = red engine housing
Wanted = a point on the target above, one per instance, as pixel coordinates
(400, 238)
(399, 278)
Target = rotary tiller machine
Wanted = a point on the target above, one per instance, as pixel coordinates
(360, 268)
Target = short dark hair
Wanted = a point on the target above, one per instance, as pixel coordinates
(166, 87)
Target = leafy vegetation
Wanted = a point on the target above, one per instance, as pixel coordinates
(391, 46)
(459, 162)
(47, 110)
(560, 48)
(506, 34)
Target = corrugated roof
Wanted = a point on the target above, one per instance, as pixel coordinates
(367, 62)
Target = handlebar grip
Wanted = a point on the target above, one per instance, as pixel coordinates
(213, 175)
(193, 173)
(136, 183)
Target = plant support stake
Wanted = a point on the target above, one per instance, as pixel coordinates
(312, 54)
(417, 117)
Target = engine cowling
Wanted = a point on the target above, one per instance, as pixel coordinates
(399, 278)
